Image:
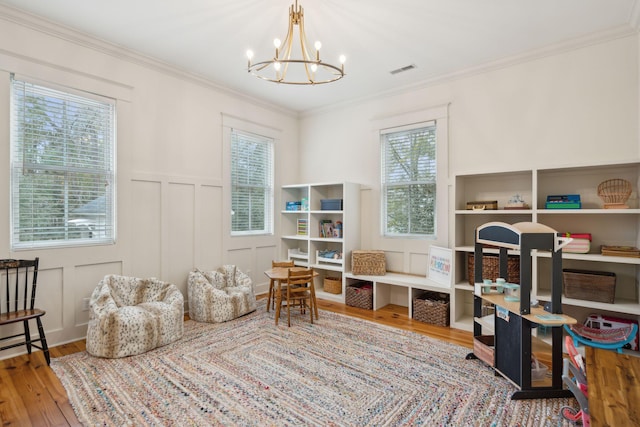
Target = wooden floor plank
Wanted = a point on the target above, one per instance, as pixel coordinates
(27, 379)
(12, 410)
(59, 395)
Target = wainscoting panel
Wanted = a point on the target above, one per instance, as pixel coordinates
(51, 298)
(240, 258)
(394, 260)
(145, 214)
(418, 263)
(180, 234)
(264, 256)
(209, 228)
(86, 279)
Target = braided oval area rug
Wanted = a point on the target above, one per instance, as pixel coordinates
(339, 371)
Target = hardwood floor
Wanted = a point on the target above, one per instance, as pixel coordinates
(31, 394)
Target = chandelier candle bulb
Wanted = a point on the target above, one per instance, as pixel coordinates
(249, 57)
(288, 69)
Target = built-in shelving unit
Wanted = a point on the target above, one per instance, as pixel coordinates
(607, 227)
(398, 289)
(307, 249)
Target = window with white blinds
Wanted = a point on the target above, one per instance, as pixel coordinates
(251, 184)
(62, 167)
(409, 180)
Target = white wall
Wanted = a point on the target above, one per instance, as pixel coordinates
(172, 192)
(576, 107)
(571, 108)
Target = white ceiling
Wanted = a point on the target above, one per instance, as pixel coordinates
(209, 38)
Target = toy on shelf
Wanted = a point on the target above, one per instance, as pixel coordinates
(511, 290)
(564, 201)
(610, 338)
(598, 321)
(496, 287)
(517, 202)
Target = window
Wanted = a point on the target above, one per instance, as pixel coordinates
(62, 167)
(409, 181)
(251, 184)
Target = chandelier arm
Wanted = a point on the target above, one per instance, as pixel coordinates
(309, 62)
(337, 72)
(288, 41)
(259, 66)
(305, 50)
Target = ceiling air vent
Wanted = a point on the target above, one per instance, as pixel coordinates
(402, 69)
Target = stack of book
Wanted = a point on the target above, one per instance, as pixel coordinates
(326, 228)
(627, 251)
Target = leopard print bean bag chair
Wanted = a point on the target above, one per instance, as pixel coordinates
(221, 295)
(130, 316)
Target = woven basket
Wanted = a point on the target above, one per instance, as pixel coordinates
(614, 193)
(368, 263)
(432, 307)
(491, 268)
(360, 295)
(333, 285)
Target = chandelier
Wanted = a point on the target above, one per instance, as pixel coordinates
(308, 69)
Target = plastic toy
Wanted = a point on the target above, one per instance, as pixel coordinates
(610, 339)
(574, 376)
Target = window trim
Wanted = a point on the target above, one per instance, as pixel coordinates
(269, 209)
(234, 122)
(439, 114)
(111, 173)
(384, 185)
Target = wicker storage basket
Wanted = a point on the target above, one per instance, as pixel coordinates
(589, 285)
(432, 307)
(333, 285)
(491, 268)
(368, 263)
(615, 193)
(360, 295)
(483, 347)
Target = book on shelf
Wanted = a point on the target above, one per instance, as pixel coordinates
(326, 228)
(626, 251)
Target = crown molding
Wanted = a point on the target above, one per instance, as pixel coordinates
(57, 30)
(506, 62)
(70, 35)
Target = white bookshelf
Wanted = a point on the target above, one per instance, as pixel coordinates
(307, 250)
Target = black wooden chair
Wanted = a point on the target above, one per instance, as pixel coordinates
(18, 303)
